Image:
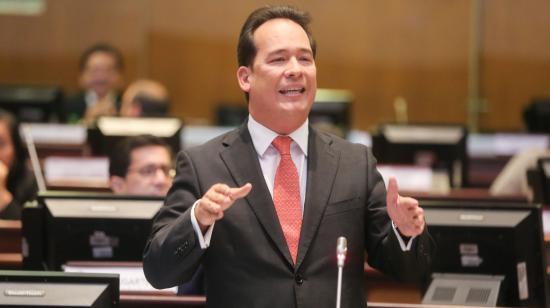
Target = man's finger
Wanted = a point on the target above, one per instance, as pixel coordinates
(217, 197)
(212, 207)
(221, 189)
(240, 192)
(408, 203)
(392, 194)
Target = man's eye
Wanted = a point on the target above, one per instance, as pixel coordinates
(275, 60)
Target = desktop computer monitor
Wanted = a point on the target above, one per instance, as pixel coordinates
(492, 242)
(75, 227)
(441, 147)
(32, 289)
(109, 130)
(32, 103)
(331, 111)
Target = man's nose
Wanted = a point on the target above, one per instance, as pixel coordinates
(294, 68)
(161, 175)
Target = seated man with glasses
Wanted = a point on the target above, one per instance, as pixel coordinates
(144, 165)
(141, 165)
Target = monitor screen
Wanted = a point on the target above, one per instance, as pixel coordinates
(441, 147)
(58, 289)
(493, 239)
(110, 130)
(331, 111)
(32, 103)
(98, 228)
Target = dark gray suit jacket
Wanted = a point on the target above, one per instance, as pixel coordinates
(248, 263)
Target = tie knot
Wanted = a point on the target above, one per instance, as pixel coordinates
(282, 144)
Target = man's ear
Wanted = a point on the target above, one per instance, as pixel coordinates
(243, 76)
(118, 185)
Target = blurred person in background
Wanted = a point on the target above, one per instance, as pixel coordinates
(141, 165)
(145, 98)
(17, 183)
(101, 68)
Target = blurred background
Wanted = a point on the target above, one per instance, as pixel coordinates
(477, 63)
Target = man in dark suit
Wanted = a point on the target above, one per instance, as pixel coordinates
(262, 206)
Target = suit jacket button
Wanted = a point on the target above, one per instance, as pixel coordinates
(299, 279)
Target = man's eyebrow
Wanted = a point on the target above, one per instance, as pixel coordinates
(284, 50)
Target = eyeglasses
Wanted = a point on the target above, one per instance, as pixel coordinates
(151, 170)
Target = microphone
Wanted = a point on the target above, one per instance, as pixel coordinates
(341, 250)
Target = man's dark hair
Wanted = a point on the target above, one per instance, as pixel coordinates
(105, 48)
(246, 50)
(120, 157)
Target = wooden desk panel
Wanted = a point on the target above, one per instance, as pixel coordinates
(465, 194)
(10, 244)
(380, 288)
(76, 150)
(12, 261)
(10, 235)
(147, 301)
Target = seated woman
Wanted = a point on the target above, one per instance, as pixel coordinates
(17, 183)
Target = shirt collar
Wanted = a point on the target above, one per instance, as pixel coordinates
(263, 136)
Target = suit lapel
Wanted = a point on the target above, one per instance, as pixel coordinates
(322, 166)
(241, 160)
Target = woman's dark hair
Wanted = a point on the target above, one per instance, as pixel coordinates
(18, 168)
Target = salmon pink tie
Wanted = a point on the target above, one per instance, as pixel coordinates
(286, 195)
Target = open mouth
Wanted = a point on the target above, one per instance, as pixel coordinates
(292, 91)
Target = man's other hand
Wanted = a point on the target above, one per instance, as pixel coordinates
(217, 199)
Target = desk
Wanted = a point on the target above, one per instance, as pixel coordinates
(79, 186)
(381, 288)
(57, 139)
(77, 173)
(139, 301)
(155, 300)
(482, 171)
(10, 233)
(10, 244)
(465, 194)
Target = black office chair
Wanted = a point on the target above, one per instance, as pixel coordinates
(536, 116)
(538, 179)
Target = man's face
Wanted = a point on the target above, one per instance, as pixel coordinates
(150, 172)
(283, 78)
(100, 74)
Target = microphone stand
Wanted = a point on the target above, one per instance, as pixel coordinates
(341, 250)
(339, 287)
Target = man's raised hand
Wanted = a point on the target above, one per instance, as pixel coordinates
(405, 212)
